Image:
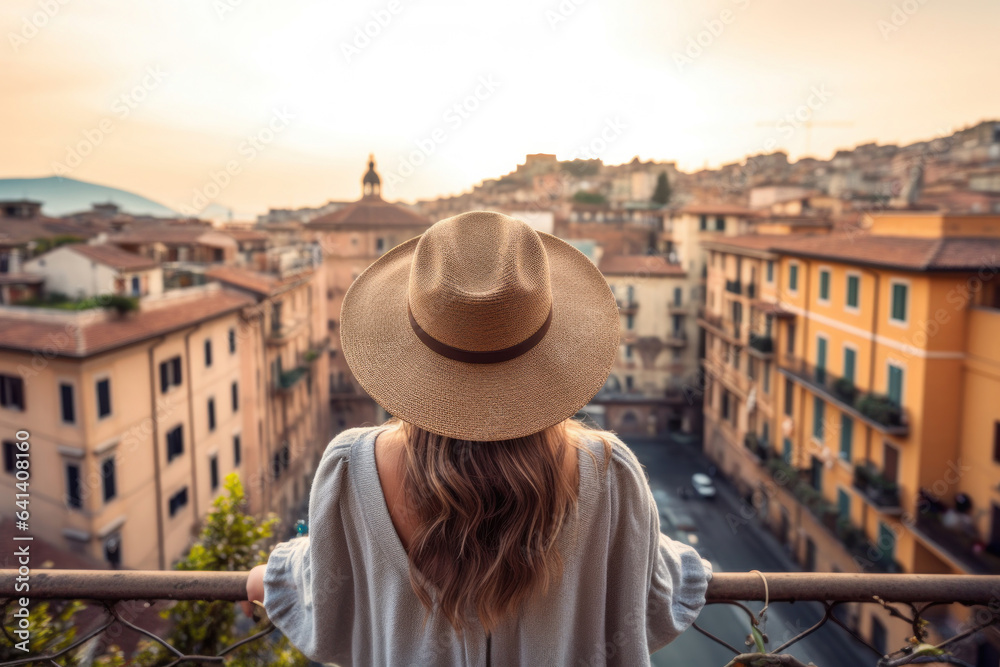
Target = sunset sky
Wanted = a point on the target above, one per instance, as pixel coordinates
(290, 100)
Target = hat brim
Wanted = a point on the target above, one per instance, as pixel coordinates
(482, 402)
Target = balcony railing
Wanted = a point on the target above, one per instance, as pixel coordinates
(906, 597)
(957, 542)
(853, 538)
(734, 287)
(627, 306)
(881, 492)
(677, 338)
(287, 380)
(876, 410)
(761, 343)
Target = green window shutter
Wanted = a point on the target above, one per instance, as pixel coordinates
(899, 302)
(793, 277)
(896, 385)
(846, 437)
(852, 291)
(770, 270)
(786, 450)
(824, 285)
(850, 358)
(843, 505)
(818, 414)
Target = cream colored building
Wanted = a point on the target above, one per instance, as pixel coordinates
(351, 238)
(81, 270)
(658, 357)
(130, 418)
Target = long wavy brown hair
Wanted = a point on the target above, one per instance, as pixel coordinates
(488, 515)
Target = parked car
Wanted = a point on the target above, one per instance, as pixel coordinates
(703, 486)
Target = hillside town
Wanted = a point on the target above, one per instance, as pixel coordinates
(822, 333)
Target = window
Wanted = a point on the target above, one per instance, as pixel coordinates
(629, 383)
(725, 404)
(819, 408)
(678, 295)
(208, 352)
(789, 396)
(629, 321)
(211, 414)
(824, 285)
(73, 497)
(786, 450)
(379, 245)
(720, 223)
(136, 286)
(235, 395)
(170, 374)
(178, 501)
(213, 472)
(10, 455)
(766, 377)
(703, 222)
(793, 277)
(232, 340)
(890, 462)
(790, 339)
(843, 505)
(850, 361)
(820, 359)
(237, 450)
(816, 473)
(996, 442)
(108, 479)
(895, 391)
(66, 406)
(628, 351)
(103, 398)
(899, 293)
(886, 543)
(846, 437)
(853, 286)
(175, 443)
(770, 270)
(11, 392)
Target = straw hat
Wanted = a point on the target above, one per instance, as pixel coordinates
(481, 329)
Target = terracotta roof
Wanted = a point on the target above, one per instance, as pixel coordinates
(18, 232)
(173, 235)
(900, 252)
(252, 281)
(113, 256)
(639, 265)
(21, 278)
(246, 234)
(98, 334)
(716, 209)
(372, 211)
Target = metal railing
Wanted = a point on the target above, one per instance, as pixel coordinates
(906, 597)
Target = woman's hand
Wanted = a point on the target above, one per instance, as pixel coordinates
(255, 589)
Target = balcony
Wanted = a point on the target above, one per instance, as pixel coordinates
(876, 410)
(677, 338)
(286, 380)
(627, 307)
(878, 491)
(114, 596)
(761, 450)
(734, 287)
(955, 541)
(862, 550)
(751, 291)
(761, 345)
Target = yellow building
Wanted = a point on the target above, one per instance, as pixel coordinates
(852, 392)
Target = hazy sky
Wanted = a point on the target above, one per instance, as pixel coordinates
(283, 101)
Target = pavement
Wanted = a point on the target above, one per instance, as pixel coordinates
(733, 543)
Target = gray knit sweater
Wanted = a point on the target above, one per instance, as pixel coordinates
(343, 593)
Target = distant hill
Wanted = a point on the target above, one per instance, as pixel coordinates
(61, 196)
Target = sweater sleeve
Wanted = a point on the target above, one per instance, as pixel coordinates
(308, 582)
(677, 576)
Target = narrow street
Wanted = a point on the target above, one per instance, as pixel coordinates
(746, 547)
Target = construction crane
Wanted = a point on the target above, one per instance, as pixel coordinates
(808, 125)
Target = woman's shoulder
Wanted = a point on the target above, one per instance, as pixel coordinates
(340, 448)
(622, 461)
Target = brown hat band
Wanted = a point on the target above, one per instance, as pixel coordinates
(477, 357)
